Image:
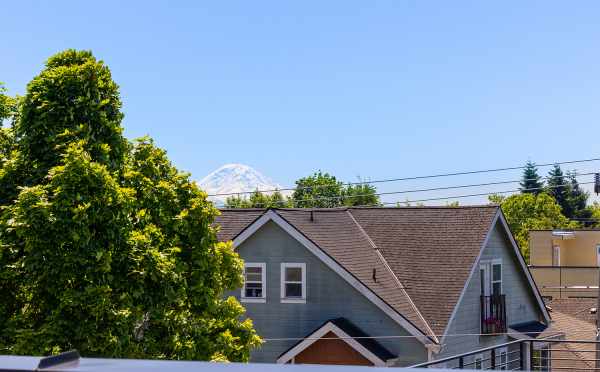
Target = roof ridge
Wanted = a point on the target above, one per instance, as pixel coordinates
(428, 206)
(396, 279)
(342, 209)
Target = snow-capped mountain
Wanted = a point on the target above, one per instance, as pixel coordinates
(234, 178)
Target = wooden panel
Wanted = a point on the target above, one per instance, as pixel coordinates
(331, 352)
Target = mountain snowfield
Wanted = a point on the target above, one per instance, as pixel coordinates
(234, 178)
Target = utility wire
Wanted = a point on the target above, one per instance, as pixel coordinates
(473, 195)
(409, 178)
(339, 197)
(388, 337)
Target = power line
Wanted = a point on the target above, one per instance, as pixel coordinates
(473, 195)
(339, 197)
(389, 337)
(428, 189)
(408, 178)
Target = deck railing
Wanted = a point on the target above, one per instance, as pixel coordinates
(527, 355)
(493, 314)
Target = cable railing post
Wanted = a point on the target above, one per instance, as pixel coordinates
(531, 359)
(522, 356)
(493, 358)
(461, 363)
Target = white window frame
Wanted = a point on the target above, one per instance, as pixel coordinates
(293, 300)
(494, 262)
(262, 299)
(487, 266)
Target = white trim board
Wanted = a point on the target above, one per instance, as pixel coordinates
(283, 281)
(316, 335)
(332, 264)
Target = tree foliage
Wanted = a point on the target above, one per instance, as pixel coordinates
(259, 200)
(104, 245)
(525, 212)
(322, 190)
(577, 201)
(360, 194)
(7, 104)
(558, 188)
(74, 98)
(319, 190)
(531, 181)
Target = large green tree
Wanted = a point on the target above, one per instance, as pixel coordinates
(319, 190)
(531, 181)
(360, 194)
(104, 245)
(525, 212)
(322, 190)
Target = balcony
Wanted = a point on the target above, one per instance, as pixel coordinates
(493, 314)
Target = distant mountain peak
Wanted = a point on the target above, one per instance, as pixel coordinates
(235, 178)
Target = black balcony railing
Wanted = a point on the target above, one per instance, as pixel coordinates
(493, 314)
(527, 355)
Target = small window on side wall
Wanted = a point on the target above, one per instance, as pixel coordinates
(293, 282)
(254, 289)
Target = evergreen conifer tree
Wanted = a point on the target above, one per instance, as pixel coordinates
(577, 200)
(531, 182)
(558, 187)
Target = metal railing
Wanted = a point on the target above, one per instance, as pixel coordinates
(527, 355)
(493, 314)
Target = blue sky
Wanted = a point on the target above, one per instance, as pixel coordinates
(376, 89)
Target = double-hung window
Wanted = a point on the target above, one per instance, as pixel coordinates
(293, 282)
(255, 285)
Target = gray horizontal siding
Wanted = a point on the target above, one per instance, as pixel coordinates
(520, 301)
(328, 296)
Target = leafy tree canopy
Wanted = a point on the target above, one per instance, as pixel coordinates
(322, 190)
(525, 212)
(319, 190)
(259, 200)
(7, 104)
(360, 194)
(104, 245)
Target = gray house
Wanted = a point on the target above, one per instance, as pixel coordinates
(382, 286)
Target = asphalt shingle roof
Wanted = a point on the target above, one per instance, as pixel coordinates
(422, 255)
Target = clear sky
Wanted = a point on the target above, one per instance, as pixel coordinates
(375, 89)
